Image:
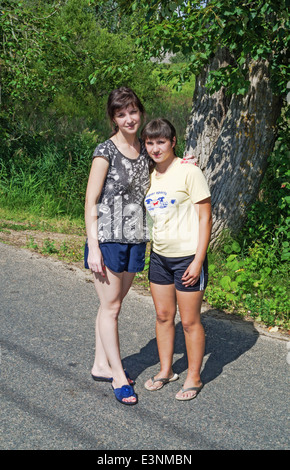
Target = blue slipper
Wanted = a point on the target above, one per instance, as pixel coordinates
(98, 378)
(125, 391)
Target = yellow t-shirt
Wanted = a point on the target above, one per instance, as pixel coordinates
(170, 202)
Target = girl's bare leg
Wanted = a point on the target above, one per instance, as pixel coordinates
(101, 366)
(189, 307)
(165, 304)
(111, 291)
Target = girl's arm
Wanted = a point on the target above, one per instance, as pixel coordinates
(95, 185)
(192, 273)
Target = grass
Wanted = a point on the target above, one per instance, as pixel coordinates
(60, 237)
(16, 219)
(68, 250)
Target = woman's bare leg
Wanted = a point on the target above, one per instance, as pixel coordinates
(165, 304)
(101, 366)
(111, 292)
(189, 304)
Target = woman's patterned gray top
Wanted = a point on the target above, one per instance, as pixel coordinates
(121, 211)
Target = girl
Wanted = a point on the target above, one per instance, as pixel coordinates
(116, 231)
(178, 201)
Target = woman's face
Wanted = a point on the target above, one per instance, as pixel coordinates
(128, 119)
(160, 149)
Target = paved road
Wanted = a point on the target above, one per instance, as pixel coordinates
(49, 400)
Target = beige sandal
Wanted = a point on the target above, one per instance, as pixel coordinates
(183, 390)
(163, 382)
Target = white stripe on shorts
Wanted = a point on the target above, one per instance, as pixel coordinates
(201, 281)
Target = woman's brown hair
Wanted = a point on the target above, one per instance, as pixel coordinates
(122, 98)
(159, 127)
(156, 128)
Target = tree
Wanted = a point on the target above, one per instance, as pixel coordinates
(237, 49)
(22, 42)
(58, 64)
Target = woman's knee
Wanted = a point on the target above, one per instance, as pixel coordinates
(112, 309)
(165, 315)
(191, 324)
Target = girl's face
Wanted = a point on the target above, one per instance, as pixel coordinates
(160, 149)
(128, 119)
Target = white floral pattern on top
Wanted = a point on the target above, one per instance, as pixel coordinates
(121, 211)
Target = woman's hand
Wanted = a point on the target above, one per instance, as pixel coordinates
(95, 261)
(190, 159)
(192, 273)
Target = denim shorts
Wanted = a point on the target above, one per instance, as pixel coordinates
(164, 271)
(119, 257)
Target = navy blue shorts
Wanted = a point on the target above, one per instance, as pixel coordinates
(121, 257)
(164, 271)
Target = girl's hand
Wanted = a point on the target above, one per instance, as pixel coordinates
(190, 159)
(192, 274)
(96, 262)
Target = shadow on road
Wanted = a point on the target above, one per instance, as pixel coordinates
(226, 340)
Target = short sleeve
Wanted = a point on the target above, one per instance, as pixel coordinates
(196, 184)
(102, 150)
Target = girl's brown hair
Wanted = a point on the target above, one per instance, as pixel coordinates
(122, 98)
(159, 128)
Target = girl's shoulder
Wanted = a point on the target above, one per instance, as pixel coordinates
(104, 149)
(188, 166)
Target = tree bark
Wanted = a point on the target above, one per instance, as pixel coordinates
(232, 138)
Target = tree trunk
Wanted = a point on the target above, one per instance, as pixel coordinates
(232, 138)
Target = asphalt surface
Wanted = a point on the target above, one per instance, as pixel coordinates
(50, 402)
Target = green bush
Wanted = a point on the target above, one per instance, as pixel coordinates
(50, 180)
(251, 274)
(255, 283)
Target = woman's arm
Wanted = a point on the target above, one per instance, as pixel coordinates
(95, 185)
(192, 274)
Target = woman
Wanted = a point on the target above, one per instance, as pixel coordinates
(116, 231)
(178, 201)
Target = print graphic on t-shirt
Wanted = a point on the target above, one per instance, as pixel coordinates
(159, 200)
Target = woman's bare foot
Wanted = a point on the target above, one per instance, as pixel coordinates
(189, 390)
